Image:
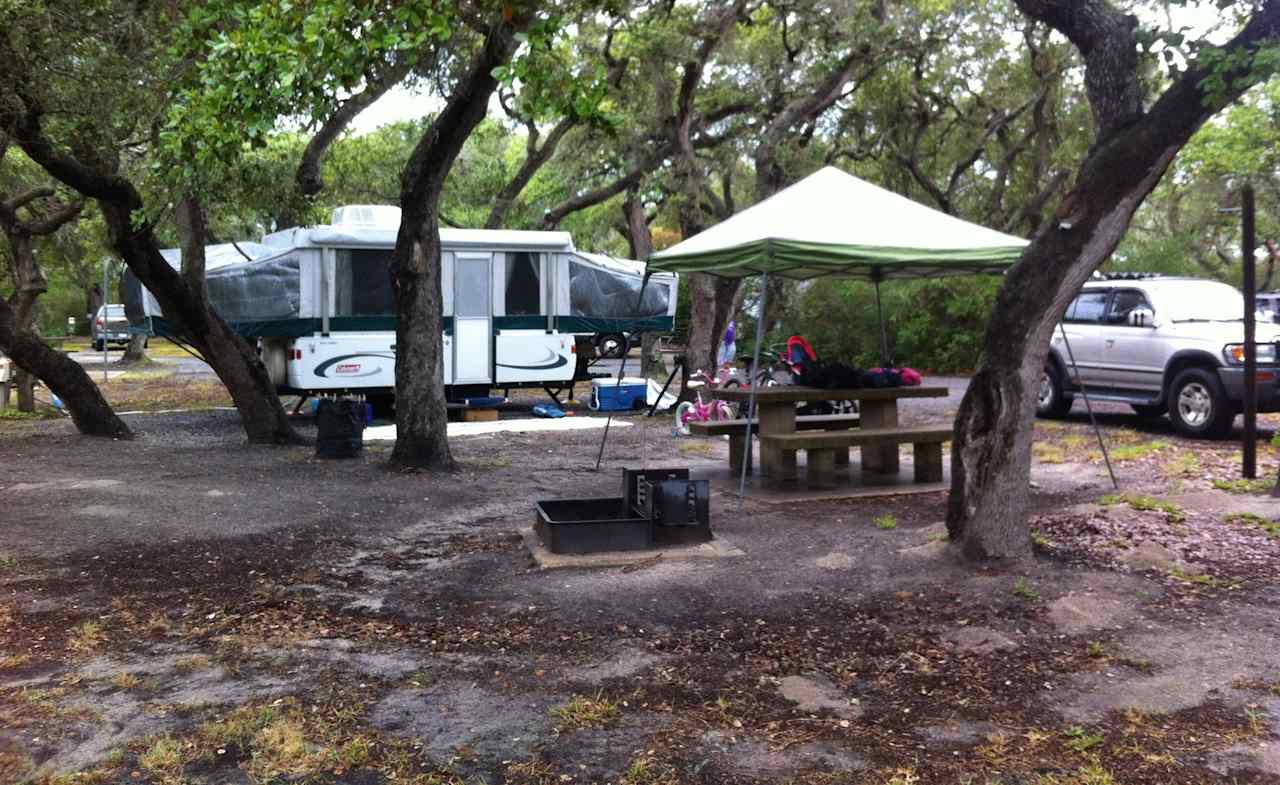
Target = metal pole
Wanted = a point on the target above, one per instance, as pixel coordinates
(1250, 468)
(622, 366)
(755, 385)
(1093, 420)
(105, 299)
(884, 341)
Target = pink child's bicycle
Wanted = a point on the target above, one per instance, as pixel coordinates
(701, 410)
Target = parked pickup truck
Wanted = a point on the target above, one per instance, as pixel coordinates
(1161, 345)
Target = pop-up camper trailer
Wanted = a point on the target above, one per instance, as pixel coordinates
(318, 301)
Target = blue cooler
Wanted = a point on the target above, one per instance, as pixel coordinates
(609, 396)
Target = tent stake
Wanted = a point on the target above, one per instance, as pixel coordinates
(885, 362)
(1093, 420)
(755, 384)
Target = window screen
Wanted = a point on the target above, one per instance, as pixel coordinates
(471, 287)
(362, 283)
(1088, 307)
(523, 284)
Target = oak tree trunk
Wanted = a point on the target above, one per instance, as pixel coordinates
(991, 452)
(91, 413)
(422, 438)
(136, 352)
(235, 362)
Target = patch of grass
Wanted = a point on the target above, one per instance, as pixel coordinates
(164, 759)
(280, 749)
(11, 661)
(125, 680)
(1182, 465)
(1075, 441)
(885, 521)
(87, 637)
(1096, 650)
(1202, 579)
(1270, 527)
(1242, 485)
(586, 712)
(196, 662)
(696, 449)
(646, 770)
(1172, 511)
(41, 413)
(8, 562)
(1081, 740)
(1023, 588)
(1132, 452)
(1039, 539)
(1045, 452)
(939, 537)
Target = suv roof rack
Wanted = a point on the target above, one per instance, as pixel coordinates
(1131, 276)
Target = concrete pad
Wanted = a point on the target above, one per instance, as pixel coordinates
(387, 433)
(719, 548)
(1076, 613)
(1148, 555)
(815, 693)
(979, 640)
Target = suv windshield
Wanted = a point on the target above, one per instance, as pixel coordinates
(1207, 301)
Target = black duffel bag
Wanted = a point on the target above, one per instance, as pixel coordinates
(339, 428)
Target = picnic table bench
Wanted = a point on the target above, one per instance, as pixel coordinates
(824, 447)
(736, 430)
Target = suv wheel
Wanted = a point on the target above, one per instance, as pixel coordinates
(1198, 405)
(1051, 401)
(612, 346)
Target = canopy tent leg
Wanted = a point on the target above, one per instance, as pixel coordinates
(1092, 420)
(755, 385)
(622, 367)
(885, 360)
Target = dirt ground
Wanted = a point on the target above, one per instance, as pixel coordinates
(183, 608)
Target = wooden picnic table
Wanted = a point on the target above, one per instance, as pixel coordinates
(878, 408)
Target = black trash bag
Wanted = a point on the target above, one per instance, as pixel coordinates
(829, 376)
(339, 428)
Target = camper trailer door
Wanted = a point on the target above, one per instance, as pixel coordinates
(528, 350)
(472, 318)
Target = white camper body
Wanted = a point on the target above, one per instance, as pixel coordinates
(318, 300)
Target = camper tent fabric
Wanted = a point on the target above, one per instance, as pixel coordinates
(602, 286)
(834, 224)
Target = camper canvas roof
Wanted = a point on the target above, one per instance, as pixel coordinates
(376, 226)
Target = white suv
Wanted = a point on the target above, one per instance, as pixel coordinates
(1161, 345)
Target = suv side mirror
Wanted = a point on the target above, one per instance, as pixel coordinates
(1142, 317)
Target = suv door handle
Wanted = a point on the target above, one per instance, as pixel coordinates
(1111, 342)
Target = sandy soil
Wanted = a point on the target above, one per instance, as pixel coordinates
(186, 608)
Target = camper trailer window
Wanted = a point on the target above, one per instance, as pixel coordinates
(362, 285)
(523, 285)
(471, 286)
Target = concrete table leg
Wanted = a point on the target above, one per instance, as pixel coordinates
(881, 458)
(776, 418)
(821, 472)
(736, 452)
(928, 462)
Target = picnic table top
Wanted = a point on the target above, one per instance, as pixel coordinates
(795, 393)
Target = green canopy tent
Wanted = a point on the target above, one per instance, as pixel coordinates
(832, 224)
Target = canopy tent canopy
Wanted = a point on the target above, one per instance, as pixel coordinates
(834, 224)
